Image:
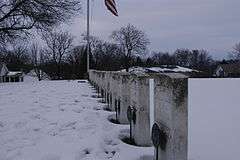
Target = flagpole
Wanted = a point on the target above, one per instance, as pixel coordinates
(88, 35)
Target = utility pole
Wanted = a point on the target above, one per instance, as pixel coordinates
(88, 35)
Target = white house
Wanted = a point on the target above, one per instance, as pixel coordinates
(9, 76)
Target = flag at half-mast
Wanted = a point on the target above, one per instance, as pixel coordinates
(111, 5)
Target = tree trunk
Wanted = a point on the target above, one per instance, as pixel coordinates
(58, 71)
(127, 60)
(127, 63)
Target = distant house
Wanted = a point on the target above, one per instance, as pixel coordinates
(228, 70)
(9, 76)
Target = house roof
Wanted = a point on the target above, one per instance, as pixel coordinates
(231, 68)
(14, 73)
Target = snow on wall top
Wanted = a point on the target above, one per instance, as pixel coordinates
(161, 69)
(166, 68)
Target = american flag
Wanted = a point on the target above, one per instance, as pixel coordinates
(111, 5)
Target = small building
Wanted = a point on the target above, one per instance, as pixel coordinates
(9, 76)
(36, 75)
(228, 70)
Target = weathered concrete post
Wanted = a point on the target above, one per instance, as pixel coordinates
(139, 93)
(102, 73)
(107, 87)
(118, 98)
(98, 82)
(114, 89)
(171, 117)
(111, 90)
(125, 81)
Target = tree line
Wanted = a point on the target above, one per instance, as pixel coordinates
(61, 59)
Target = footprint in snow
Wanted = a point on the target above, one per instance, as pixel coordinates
(111, 142)
(20, 124)
(68, 126)
(35, 117)
(61, 109)
(146, 157)
(83, 154)
(97, 108)
(1, 125)
(109, 154)
(77, 110)
(51, 157)
(77, 101)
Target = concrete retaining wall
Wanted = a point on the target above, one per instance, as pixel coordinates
(170, 107)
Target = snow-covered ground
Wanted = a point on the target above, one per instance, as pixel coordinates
(59, 120)
(214, 116)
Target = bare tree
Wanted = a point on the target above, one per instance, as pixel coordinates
(182, 57)
(15, 56)
(37, 59)
(94, 41)
(235, 54)
(132, 41)
(17, 17)
(59, 44)
(77, 61)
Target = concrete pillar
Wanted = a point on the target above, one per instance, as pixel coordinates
(107, 86)
(99, 81)
(139, 93)
(171, 116)
(115, 89)
(103, 84)
(125, 80)
(118, 98)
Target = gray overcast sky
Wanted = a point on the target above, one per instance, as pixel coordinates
(170, 24)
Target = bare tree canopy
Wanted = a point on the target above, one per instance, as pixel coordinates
(37, 59)
(59, 44)
(131, 40)
(19, 16)
(235, 54)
